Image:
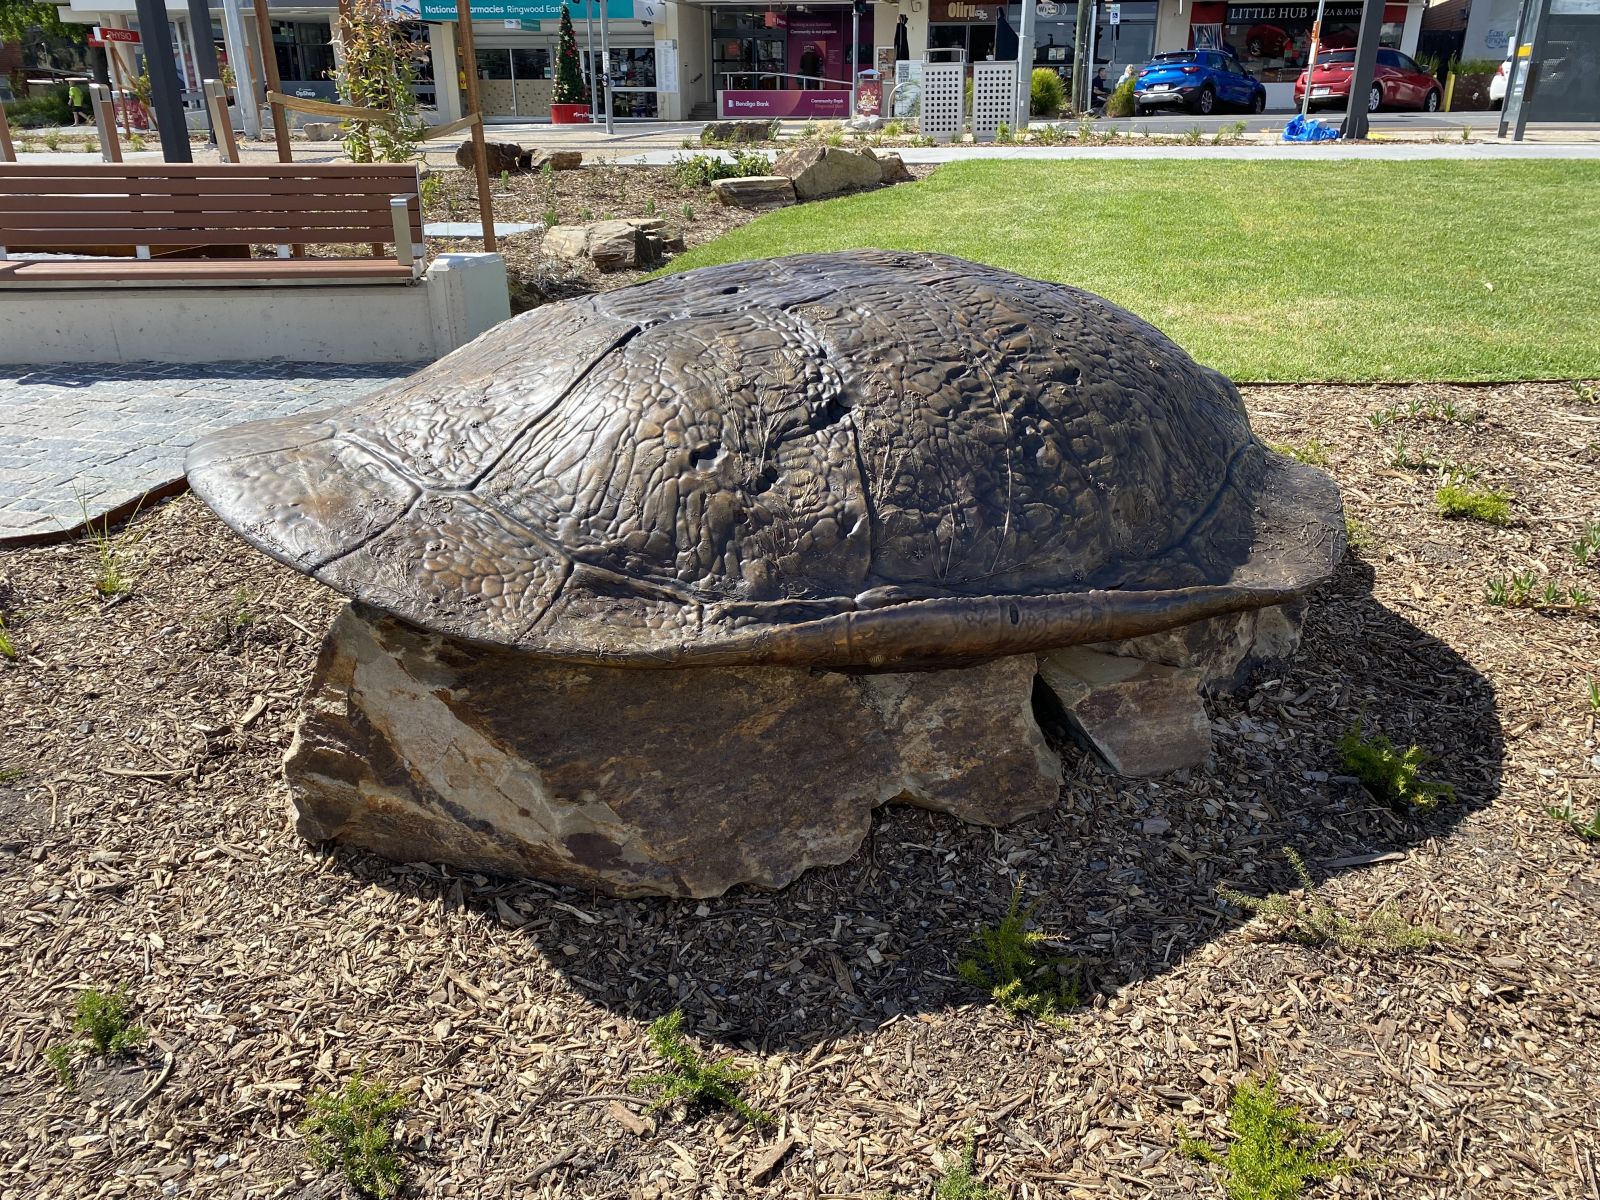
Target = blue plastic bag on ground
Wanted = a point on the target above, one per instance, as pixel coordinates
(1302, 129)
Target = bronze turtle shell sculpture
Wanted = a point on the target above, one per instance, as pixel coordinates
(858, 460)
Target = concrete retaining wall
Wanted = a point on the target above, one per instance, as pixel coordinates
(461, 296)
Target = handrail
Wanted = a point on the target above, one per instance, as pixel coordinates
(783, 75)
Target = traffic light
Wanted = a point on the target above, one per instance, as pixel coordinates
(860, 7)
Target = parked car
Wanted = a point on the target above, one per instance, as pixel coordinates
(1202, 81)
(1498, 85)
(1397, 82)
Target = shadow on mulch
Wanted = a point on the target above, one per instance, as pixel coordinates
(1125, 871)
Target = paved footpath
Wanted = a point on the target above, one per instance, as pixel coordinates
(97, 437)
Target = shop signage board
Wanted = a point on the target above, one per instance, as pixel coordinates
(792, 102)
(964, 12)
(907, 97)
(99, 36)
(667, 65)
(1252, 14)
(869, 97)
(524, 10)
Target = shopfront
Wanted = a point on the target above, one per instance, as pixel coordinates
(1274, 40)
(989, 31)
(787, 60)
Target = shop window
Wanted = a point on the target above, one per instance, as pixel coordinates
(304, 49)
(1273, 40)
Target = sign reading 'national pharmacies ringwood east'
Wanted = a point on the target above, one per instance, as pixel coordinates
(515, 10)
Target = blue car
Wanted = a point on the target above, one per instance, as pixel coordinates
(1202, 81)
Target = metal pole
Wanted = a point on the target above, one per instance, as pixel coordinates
(588, 63)
(605, 61)
(855, 55)
(156, 34)
(1311, 60)
(1089, 67)
(1355, 113)
(1080, 43)
(1025, 52)
(480, 152)
(269, 68)
(205, 56)
(244, 78)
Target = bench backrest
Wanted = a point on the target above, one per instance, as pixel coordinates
(182, 204)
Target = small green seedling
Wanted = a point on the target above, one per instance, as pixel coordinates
(959, 1181)
(1457, 500)
(688, 211)
(688, 1078)
(1382, 418)
(1588, 830)
(1006, 963)
(352, 1131)
(551, 218)
(1275, 1153)
(1587, 393)
(1391, 774)
(1303, 918)
(1587, 548)
(114, 569)
(101, 1020)
(1594, 695)
(8, 644)
(11, 774)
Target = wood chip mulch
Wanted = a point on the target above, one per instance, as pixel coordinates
(143, 841)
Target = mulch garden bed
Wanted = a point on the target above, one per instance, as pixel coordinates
(143, 841)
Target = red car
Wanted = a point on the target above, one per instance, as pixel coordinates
(1266, 41)
(1397, 82)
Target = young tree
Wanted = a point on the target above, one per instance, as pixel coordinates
(379, 69)
(570, 87)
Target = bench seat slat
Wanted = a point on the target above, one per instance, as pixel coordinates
(201, 271)
(319, 171)
(260, 236)
(30, 223)
(254, 202)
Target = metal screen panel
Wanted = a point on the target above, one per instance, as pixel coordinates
(942, 100)
(994, 98)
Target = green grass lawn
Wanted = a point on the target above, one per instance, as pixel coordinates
(1335, 270)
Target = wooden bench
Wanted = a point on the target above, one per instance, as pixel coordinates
(166, 216)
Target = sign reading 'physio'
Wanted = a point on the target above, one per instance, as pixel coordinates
(525, 10)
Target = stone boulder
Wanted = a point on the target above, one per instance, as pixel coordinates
(739, 131)
(321, 131)
(1142, 718)
(892, 168)
(615, 245)
(755, 191)
(641, 782)
(1225, 650)
(556, 160)
(501, 156)
(819, 171)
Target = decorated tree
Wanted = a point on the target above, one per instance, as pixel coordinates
(570, 87)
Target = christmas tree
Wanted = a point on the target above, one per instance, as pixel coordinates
(569, 78)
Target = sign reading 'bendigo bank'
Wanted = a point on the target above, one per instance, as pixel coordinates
(1251, 14)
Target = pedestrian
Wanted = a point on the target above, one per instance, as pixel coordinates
(78, 102)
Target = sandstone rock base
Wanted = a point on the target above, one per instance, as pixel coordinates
(820, 171)
(1142, 718)
(754, 191)
(680, 783)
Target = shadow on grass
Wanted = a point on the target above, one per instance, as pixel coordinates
(1125, 871)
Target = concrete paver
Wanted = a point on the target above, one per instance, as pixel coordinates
(90, 439)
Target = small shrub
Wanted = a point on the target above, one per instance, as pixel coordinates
(835, 138)
(60, 1060)
(103, 1018)
(959, 1181)
(1357, 535)
(8, 644)
(1275, 1153)
(114, 569)
(90, 146)
(551, 218)
(1594, 695)
(894, 129)
(40, 112)
(690, 1079)
(1002, 134)
(1006, 963)
(1302, 918)
(378, 70)
(1457, 500)
(1046, 93)
(52, 141)
(1392, 775)
(1227, 135)
(352, 1131)
(688, 212)
(1586, 393)
(1192, 136)
(136, 142)
(1120, 102)
(702, 170)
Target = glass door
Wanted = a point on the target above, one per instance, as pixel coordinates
(633, 80)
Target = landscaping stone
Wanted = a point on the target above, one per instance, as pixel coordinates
(892, 168)
(1226, 650)
(556, 160)
(501, 156)
(755, 191)
(1142, 718)
(422, 747)
(615, 245)
(321, 131)
(739, 131)
(819, 171)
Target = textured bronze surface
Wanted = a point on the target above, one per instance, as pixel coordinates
(868, 459)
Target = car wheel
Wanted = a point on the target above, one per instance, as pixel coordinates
(1206, 102)
(1259, 104)
(1431, 104)
(1140, 110)
(1375, 98)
